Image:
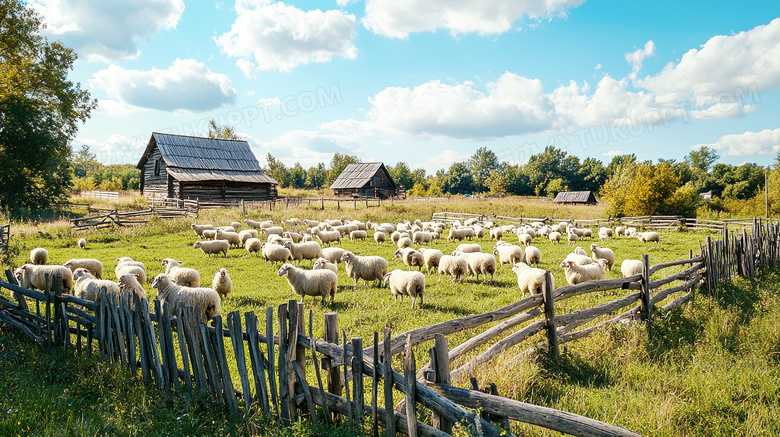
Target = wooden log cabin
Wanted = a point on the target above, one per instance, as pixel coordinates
(208, 169)
(365, 179)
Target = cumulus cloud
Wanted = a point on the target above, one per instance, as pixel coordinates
(613, 153)
(187, 85)
(443, 160)
(276, 36)
(766, 142)
(107, 30)
(635, 58)
(399, 18)
(307, 147)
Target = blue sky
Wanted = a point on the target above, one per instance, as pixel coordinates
(428, 82)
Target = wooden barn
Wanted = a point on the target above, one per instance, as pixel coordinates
(576, 198)
(365, 179)
(208, 169)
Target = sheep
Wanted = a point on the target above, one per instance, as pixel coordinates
(227, 229)
(236, 225)
(533, 255)
(525, 239)
(469, 248)
(367, 268)
(576, 273)
(554, 236)
(579, 259)
(605, 233)
(200, 228)
(631, 267)
(322, 263)
(184, 276)
(630, 232)
(410, 257)
(320, 282)
(479, 264)
(531, 280)
(222, 283)
(87, 287)
(310, 223)
(496, 233)
(272, 230)
(334, 222)
(132, 267)
(357, 234)
(395, 236)
(403, 283)
(275, 253)
(571, 238)
(332, 254)
(81, 244)
(231, 237)
(404, 242)
(647, 237)
(210, 247)
(310, 250)
(291, 222)
(33, 276)
(508, 253)
(580, 251)
(306, 237)
(603, 253)
(295, 237)
(431, 258)
(93, 265)
(455, 266)
(379, 237)
(422, 237)
(327, 237)
(206, 301)
(460, 234)
(128, 285)
(209, 234)
(259, 225)
(247, 234)
(620, 230)
(253, 245)
(39, 256)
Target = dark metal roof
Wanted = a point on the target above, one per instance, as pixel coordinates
(575, 197)
(193, 159)
(358, 175)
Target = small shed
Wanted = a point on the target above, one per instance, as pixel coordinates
(209, 169)
(576, 198)
(365, 179)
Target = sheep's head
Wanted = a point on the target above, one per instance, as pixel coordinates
(398, 253)
(287, 244)
(159, 281)
(519, 267)
(80, 273)
(594, 246)
(197, 244)
(602, 262)
(566, 264)
(346, 256)
(192, 226)
(223, 272)
(284, 269)
(386, 279)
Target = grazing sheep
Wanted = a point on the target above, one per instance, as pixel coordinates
(295, 237)
(367, 268)
(455, 266)
(39, 256)
(479, 264)
(206, 301)
(128, 265)
(291, 222)
(128, 284)
(422, 237)
(580, 251)
(33, 276)
(605, 253)
(533, 255)
(222, 283)
(620, 230)
(496, 233)
(605, 233)
(576, 258)
(247, 234)
(327, 237)
(647, 237)
(404, 242)
(310, 250)
(184, 276)
(231, 237)
(94, 266)
(200, 228)
(576, 273)
(272, 230)
(310, 223)
(87, 287)
(236, 225)
(259, 225)
(431, 258)
(210, 247)
(403, 283)
(320, 282)
(357, 234)
(275, 253)
(508, 253)
(525, 239)
(631, 267)
(572, 238)
(460, 234)
(469, 248)
(410, 257)
(630, 232)
(379, 237)
(554, 236)
(529, 279)
(227, 229)
(82, 243)
(322, 263)
(253, 245)
(210, 234)
(332, 254)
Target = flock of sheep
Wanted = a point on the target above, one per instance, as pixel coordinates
(295, 240)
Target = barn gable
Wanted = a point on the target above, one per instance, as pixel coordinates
(367, 179)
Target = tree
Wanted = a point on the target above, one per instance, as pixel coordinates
(647, 189)
(402, 175)
(297, 176)
(482, 163)
(773, 185)
(497, 183)
(544, 167)
(518, 182)
(40, 111)
(592, 175)
(337, 164)
(222, 132)
(617, 161)
(277, 170)
(84, 162)
(315, 176)
(458, 179)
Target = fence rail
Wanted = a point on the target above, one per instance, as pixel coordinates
(111, 195)
(5, 237)
(273, 366)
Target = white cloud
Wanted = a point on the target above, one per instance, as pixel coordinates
(766, 142)
(307, 147)
(443, 161)
(114, 108)
(612, 153)
(187, 85)
(107, 30)
(399, 18)
(597, 67)
(275, 36)
(635, 58)
(116, 149)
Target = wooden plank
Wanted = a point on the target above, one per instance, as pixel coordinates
(131, 333)
(410, 375)
(221, 359)
(441, 374)
(317, 367)
(142, 344)
(357, 382)
(156, 364)
(269, 335)
(283, 363)
(332, 336)
(256, 358)
(214, 380)
(375, 387)
(185, 359)
(549, 314)
(292, 353)
(388, 384)
(234, 326)
(301, 375)
(166, 370)
(646, 299)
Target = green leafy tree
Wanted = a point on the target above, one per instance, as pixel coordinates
(481, 164)
(222, 132)
(84, 162)
(40, 111)
(642, 189)
(418, 190)
(618, 161)
(773, 185)
(591, 175)
(402, 175)
(297, 176)
(497, 183)
(700, 162)
(458, 179)
(315, 176)
(277, 170)
(517, 182)
(434, 189)
(338, 163)
(544, 167)
(556, 186)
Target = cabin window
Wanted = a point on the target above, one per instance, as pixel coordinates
(157, 165)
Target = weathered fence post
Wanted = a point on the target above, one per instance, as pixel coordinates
(357, 380)
(549, 314)
(410, 378)
(332, 336)
(440, 365)
(388, 384)
(646, 305)
(285, 397)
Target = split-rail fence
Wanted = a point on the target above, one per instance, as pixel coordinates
(283, 370)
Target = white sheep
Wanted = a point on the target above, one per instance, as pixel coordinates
(580, 251)
(327, 237)
(455, 266)
(128, 265)
(210, 247)
(247, 234)
(291, 222)
(295, 237)
(529, 279)
(259, 225)
(630, 232)
(231, 237)
(571, 238)
(322, 263)
(554, 236)
(620, 230)
(206, 301)
(272, 230)
(524, 238)
(460, 234)
(310, 223)
(236, 225)
(480, 264)
(422, 237)
(82, 243)
(379, 237)
(332, 254)
(128, 284)
(228, 229)
(200, 228)
(576, 258)
(184, 276)
(253, 245)
(403, 283)
(469, 248)
(605, 253)
(94, 266)
(39, 256)
(496, 233)
(508, 253)
(320, 282)
(209, 234)
(87, 287)
(647, 237)
(222, 283)
(404, 242)
(310, 250)
(367, 268)
(358, 234)
(431, 258)
(576, 273)
(605, 233)
(275, 253)
(33, 276)
(631, 267)
(410, 257)
(532, 255)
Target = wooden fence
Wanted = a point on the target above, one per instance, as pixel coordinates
(5, 237)
(128, 218)
(279, 369)
(111, 195)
